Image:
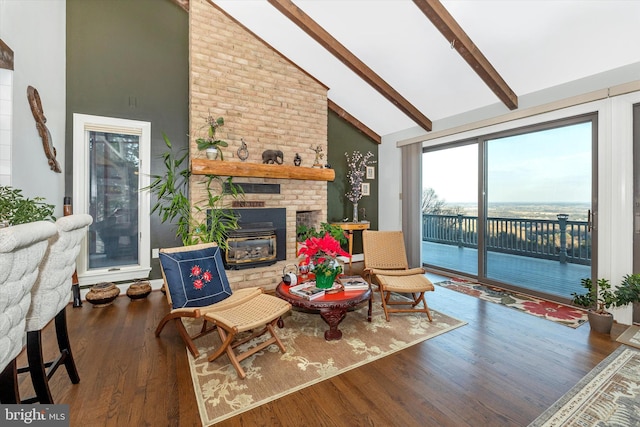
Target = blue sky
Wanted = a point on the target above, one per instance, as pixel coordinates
(548, 166)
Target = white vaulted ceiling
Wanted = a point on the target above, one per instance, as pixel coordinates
(532, 44)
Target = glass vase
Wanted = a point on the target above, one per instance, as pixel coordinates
(355, 211)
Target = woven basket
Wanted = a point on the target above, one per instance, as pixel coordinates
(140, 289)
(102, 294)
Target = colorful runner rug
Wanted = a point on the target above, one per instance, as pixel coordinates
(559, 313)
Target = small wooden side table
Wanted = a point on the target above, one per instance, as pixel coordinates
(350, 227)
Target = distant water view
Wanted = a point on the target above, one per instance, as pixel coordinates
(576, 211)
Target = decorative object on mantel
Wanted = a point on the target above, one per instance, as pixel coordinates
(243, 151)
(102, 294)
(319, 156)
(297, 160)
(272, 156)
(322, 253)
(38, 114)
(357, 164)
(139, 289)
(210, 143)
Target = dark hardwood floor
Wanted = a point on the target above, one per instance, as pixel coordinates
(502, 369)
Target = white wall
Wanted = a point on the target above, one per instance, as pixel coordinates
(35, 31)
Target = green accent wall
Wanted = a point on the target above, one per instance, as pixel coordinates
(129, 59)
(344, 138)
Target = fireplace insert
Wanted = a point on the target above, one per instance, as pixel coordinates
(252, 245)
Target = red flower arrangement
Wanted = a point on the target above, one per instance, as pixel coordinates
(322, 253)
(201, 277)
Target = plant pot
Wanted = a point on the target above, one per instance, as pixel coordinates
(212, 153)
(600, 323)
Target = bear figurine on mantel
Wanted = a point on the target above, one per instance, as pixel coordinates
(272, 156)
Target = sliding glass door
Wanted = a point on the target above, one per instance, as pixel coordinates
(450, 208)
(514, 208)
(538, 202)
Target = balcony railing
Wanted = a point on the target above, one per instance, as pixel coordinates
(561, 240)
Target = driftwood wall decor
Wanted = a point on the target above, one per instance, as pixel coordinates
(6, 56)
(41, 120)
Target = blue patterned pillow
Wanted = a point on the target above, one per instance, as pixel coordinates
(195, 278)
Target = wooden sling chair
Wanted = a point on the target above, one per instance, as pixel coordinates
(385, 265)
(196, 286)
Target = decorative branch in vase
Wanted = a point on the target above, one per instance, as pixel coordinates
(357, 163)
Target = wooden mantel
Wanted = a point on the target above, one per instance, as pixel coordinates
(259, 170)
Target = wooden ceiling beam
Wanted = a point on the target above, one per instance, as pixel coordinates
(319, 34)
(447, 25)
(353, 121)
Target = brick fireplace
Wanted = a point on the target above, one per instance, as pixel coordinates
(270, 103)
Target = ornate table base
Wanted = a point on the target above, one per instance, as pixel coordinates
(332, 308)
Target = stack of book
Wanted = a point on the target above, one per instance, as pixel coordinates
(307, 290)
(354, 283)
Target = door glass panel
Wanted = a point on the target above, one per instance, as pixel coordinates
(539, 187)
(114, 160)
(450, 209)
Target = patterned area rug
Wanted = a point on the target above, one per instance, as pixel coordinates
(309, 358)
(559, 313)
(631, 336)
(609, 395)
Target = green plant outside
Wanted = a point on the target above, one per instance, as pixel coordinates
(173, 205)
(16, 209)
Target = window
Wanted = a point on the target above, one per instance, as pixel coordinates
(111, 162)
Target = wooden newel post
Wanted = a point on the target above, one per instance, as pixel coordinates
(75, 283)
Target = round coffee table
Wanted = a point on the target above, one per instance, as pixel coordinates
(332, 307)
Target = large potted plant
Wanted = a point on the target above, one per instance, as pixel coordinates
(598, 299)
(204, 222)
(628, 292)
(16, 209)
(211, 144)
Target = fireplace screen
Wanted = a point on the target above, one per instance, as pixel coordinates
(251, 246)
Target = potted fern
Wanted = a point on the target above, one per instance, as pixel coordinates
(598, 299)
(210, 144)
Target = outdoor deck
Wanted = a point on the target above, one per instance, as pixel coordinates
(546, 276)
